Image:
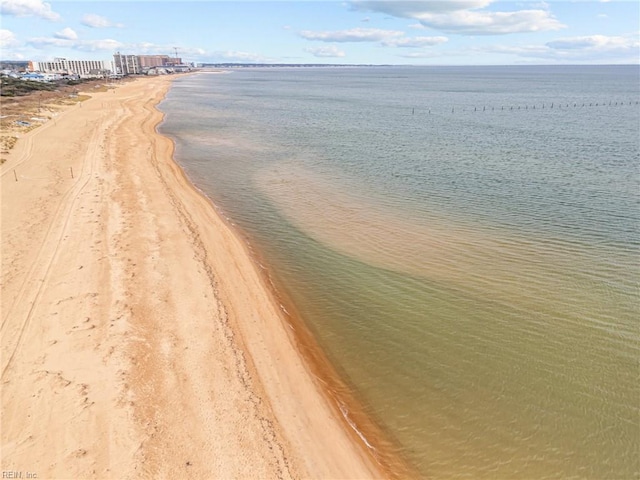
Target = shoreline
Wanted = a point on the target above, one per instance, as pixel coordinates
(138, 356)
(362, 426)
(364, 429)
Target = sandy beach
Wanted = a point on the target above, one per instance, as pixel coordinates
(139, 339)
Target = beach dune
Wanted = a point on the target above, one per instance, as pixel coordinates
(138, 337)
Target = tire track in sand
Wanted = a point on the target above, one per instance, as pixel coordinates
(34, 282)
(28, 141)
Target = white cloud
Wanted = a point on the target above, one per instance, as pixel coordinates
(411, 9)
(584, 49)
(542, 5)
(465, 16)
(415, 42)
(28, 8)
(40, 42)
(491, 23)
(352, 35)
(106, 44)
(67, 34)
(326, 52)
(7, 39)
(519, 50)
(148, 48)
(421, 54)
(386, 38)
(17, 56)
(65, 39)
(597, 43)
(96, 21)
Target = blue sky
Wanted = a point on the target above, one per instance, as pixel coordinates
(434, 32)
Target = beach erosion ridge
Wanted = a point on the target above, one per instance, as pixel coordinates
(140, 336)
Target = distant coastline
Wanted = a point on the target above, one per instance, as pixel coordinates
(384, 65)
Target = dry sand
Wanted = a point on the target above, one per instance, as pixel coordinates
(138, 337)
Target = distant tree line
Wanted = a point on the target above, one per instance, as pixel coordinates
(13, 65)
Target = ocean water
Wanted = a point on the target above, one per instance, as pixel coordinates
(463, 242)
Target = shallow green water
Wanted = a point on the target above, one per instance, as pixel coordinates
(469, 262)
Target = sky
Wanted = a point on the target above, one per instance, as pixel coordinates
(433, 32)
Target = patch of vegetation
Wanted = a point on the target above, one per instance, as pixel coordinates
(15, 87)
(7, 143)
(12, 87)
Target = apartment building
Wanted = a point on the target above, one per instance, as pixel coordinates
(151, 61)
(126, 64)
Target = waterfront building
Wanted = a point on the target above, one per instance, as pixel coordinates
(126, 64)
(150, 61)
(82, 68)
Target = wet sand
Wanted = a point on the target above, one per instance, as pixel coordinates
(139, 339)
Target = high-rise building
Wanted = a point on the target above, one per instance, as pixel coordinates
(134, 64)
(126, 64)
(149, 61)
(83, 68)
